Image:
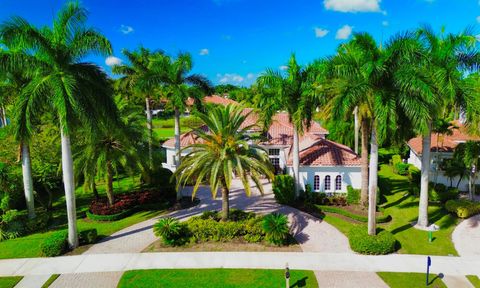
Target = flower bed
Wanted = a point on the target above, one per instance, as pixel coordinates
(123, 203)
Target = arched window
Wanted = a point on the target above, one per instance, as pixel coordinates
(327, 182)
(338, 183)
(316, 183)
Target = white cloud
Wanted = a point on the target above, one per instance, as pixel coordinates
(230, 78)
(283, 67)
(112, 61)
(320, 33)
(125, 29)
(204, 52)
(353, 6)
(385, 23)
(250, 76)
(344, 32)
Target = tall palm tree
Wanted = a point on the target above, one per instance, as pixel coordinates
(449, 57)
(135, 77)
(286, 91)
(376, 80)
(178, 86)
(225, 150)
(441, 127)
(78, 92)
(469, 154)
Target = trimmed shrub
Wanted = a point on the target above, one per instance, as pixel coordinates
(380, 244)
(360, 218)
(109, 218)
(240, 215)
(214, 215)
(353, 195)
(38, 223)
(124, 202)
(396, 159)
(463, 208)
(172, 232)
(283, 187)
(89, 236)
(440, 193)
(55, 244)
(401, 168)
(275, 226)
(414, 175)
(254, 230)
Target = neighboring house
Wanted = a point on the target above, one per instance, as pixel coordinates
(442, 147)
(213, 99)
(325, 165)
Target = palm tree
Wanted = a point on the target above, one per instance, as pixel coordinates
(117, 145)
(469, 154)
(453, 168)
(178, 86)
(135, 77)
(225, 150)
(441, 127)
(286, 91)
(449, 57)
(77, 91)
(376, 80)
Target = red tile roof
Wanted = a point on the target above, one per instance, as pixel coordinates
(324, 152)
(213, 99)
(449, 144)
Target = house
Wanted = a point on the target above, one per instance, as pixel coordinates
(441, 147)
(327, 166)
(212, 99)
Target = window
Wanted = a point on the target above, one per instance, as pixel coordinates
(327, 182)
(338, 182)
(274, 152)
(316, 183)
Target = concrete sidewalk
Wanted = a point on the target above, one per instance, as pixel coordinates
(259, 260)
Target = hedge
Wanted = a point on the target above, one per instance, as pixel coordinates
(283, 187)
(380, 244)
(110, 218)
(353, 195)
(88, 236)
(463, 208)
(55, 244)
(360, 218)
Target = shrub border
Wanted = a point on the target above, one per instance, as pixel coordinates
(360, 218)
(113, 217)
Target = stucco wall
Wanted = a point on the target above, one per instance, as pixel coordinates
(350, 176)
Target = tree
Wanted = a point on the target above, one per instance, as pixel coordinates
(286, 91)
(179, 85)
(441, 127)
(225, 150)
(379, 82)
(135, 77)
(78, 92)
(469, 154)
(453, 168)
(449, 57)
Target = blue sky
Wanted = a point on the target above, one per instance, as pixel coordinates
(233, 41)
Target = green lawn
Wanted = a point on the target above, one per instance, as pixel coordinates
(216, 278)
(410, 280)
(29, 246)
(9, 282)
(474, 280)
(167, 132)
(404, 210)
(50, 280)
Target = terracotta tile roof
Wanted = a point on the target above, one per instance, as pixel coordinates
(186, 139)
(213, 99)
(449, 144)
(326, 153)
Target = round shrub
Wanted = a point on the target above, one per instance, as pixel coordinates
(88, 236)
(463, 208)
(275, 226)
(353, 195)
(380, 244)
(283, 187)
(172, 232)
(55, 244)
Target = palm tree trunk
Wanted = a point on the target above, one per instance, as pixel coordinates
(364, 159)
(423, 205)
(149, 127)
(355, 115)
(225, 203)
(27, 180)
(177, 146)
(68, 182)
(372, 197)
(109, 183)
(4, 115)
(94, 190)
(470, 186)
(296, 160)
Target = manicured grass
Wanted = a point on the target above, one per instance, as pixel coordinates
(50, 280)
(8, 282)
(474, 280)
(216, 278)
(29, 246)
(167, 132)
(410, 280)
(403, 209)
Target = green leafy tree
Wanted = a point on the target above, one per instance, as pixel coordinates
(223, 151)
(469, 154)
(78, 92)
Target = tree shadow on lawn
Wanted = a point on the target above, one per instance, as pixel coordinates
(300, 283)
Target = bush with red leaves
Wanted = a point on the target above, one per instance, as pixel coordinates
(123, 202)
